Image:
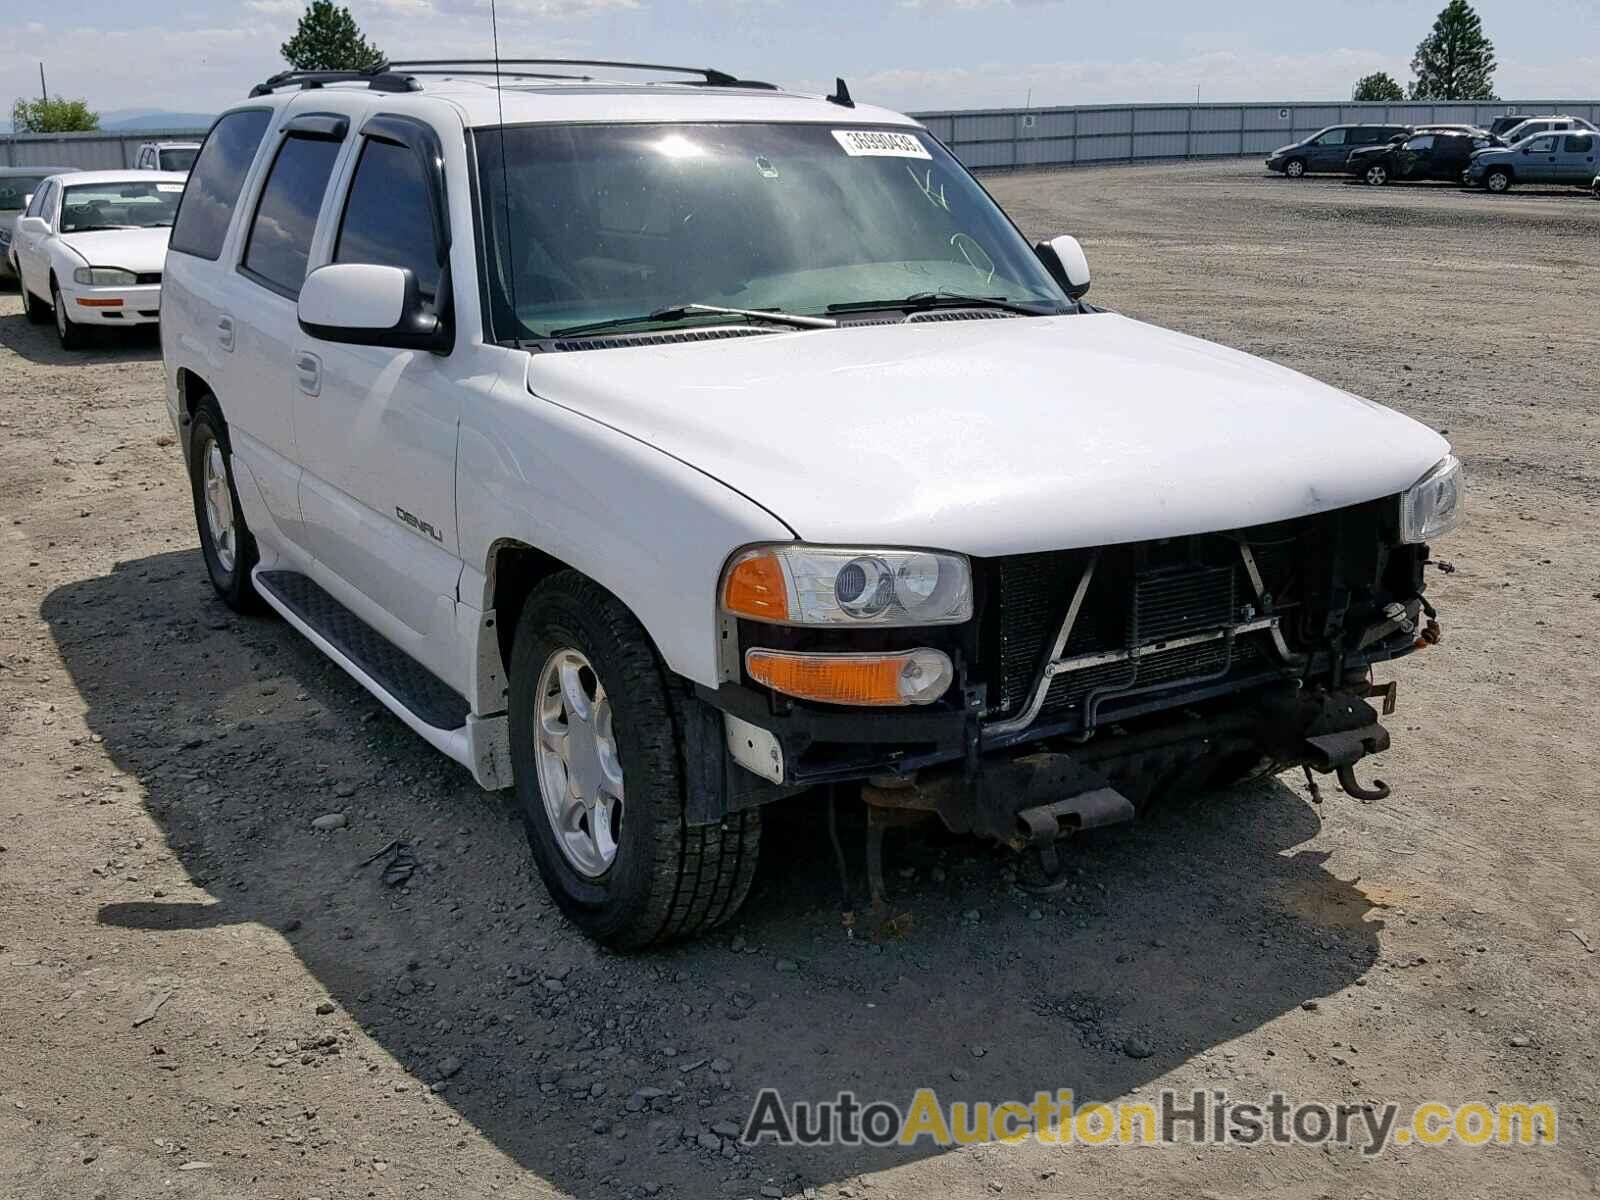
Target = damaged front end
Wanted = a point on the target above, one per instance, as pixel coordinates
(1090, 682)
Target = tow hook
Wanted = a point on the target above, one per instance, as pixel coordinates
(1041, 826)
(1347, 780)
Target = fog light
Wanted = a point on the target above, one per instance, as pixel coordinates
(908, 677)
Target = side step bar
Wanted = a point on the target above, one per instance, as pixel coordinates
(431, 707)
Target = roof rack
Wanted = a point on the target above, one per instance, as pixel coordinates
(709, 76)
(378, 78)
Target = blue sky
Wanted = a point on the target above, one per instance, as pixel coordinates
(198, 55)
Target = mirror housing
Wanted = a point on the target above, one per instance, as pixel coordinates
(363, 304)
(34, 225)
(1063, 257)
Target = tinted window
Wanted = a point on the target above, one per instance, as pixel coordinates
(1580, 143)
(286, 216)
(1334, 137)
(214, 184)
(177, 160)
(13, 188)
(387, 219)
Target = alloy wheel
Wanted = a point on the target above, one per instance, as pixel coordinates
(219, 507)
(580, 769)
(1377, 176)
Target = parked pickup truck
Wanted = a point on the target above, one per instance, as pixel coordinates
(1568, 158)
(663, 449)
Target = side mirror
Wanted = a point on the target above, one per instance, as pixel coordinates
(33, 225)
(1063, 257)
(27, 200)
(362, 304)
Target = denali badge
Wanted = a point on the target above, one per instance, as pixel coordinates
(419, 526)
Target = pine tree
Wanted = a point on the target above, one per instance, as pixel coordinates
(1455, 61)
(328, 39)
(1380, 85)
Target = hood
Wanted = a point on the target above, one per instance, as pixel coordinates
(130, 249)
(998, 436)
(1370, 151)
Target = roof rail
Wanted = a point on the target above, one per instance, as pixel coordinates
(378, 78)
(709, 76)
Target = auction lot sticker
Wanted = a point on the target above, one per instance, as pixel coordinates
(880, 143)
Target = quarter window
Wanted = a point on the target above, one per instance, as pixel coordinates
(36, 205)
(387, 218)
(214, 184)
(286, 215)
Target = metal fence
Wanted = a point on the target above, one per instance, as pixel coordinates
(1002, 139)
(85, 151)
(995, 138)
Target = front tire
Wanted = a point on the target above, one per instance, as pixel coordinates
(225, 541)
(601, 781)
(69, 333)
(1294, 168)
(1497, 180)
(1376, 175)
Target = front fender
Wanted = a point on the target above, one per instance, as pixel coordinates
(652, 530)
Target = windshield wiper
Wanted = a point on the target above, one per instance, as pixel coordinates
(921, 300)
(96, 228)
(681, 312)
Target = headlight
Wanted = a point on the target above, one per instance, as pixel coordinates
(104, 277)
(813, 585)
(1431, 507)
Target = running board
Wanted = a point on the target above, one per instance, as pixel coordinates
(420, 692)
(433, 710)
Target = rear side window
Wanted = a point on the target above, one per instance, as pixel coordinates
(174, 160)
(286, 215)
(1580, 143)
(214, 184)
(387, 219)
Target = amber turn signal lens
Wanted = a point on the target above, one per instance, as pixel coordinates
(909, 677)
(755, 588)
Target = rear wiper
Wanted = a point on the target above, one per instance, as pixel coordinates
(683, 311)
(921, 300)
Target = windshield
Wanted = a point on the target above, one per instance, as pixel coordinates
(15, 190)
(178, 160)
(611, 221)
(118, 206)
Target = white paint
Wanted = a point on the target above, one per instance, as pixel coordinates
(354, 295)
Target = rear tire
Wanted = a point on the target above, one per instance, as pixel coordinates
(225, 541)
(629, 870)
(1497, 180)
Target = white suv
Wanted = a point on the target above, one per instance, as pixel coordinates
(661, 449)
(166, 156)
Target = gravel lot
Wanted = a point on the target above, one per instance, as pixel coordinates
(200, 995)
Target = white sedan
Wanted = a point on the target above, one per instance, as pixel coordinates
(90, 247)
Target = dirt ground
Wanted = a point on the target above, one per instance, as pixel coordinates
(202, 996)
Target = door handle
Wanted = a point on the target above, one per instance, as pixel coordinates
(308, 372)
(225, 332)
